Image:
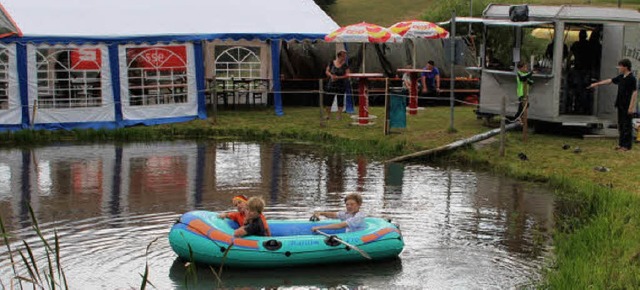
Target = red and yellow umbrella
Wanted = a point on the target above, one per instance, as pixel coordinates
(363, 32)
(419, 29)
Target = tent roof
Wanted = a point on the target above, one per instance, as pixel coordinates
(136, 18)
(7, 26)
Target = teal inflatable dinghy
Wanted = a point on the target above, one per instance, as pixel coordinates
(202, 237)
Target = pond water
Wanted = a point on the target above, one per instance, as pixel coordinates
(462, 229)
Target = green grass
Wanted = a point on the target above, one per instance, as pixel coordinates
(386, 13)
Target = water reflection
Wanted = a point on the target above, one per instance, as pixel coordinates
(371, 276)
(462, 228)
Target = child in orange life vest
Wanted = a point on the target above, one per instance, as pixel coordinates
(255, 222)
(240, 202)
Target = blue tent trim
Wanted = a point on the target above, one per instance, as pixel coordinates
(349, 109)
(153, 39)
(23, 83)
(115, 81)
(75, 125)
(11, 128)
(158, 121)
(275, 66)
(199, 63)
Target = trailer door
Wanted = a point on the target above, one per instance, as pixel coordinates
(612, 42)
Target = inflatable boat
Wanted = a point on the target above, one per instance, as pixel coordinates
(202, 237)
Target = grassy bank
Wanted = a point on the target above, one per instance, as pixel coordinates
(597, 244)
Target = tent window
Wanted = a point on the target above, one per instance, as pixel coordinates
(69, 77)
(4, 78)
(157, 75)
(238, 61)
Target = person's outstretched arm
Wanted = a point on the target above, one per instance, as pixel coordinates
(335, 226)
(602, 82)
(328, 214)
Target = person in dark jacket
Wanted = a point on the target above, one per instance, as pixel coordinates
(626, 101)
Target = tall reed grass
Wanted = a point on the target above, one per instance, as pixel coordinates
(48, 276)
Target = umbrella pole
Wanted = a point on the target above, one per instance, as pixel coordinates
(364, 56)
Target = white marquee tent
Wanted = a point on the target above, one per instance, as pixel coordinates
(113, 63)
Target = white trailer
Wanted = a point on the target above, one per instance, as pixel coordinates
(559, 93)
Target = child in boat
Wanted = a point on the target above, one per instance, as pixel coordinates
(255, 222)
(240, 202)
(352, 218)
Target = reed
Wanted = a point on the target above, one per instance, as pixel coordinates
(5, 238)
(52, 276)
(145, 275)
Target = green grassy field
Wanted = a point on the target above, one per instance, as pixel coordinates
(386, 12)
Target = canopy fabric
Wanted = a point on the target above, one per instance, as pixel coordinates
(126, 18)
(7, 26)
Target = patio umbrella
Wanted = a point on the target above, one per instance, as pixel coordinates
(363, 33)
(418, 29)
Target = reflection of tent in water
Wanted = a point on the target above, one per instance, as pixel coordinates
(115, 63)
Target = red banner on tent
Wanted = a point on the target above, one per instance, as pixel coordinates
(158, 57)
(86, 59)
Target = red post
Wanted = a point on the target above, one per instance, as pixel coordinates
(413, 94)
(363, 110)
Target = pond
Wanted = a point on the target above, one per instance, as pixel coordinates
(107, 202)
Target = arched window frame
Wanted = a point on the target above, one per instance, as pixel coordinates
(68, 85)
(157, 83)
(245, 63)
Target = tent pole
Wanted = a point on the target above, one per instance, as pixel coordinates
(413, 43)
(452, 78)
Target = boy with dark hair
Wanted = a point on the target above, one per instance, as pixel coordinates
(625, 102)
(431, 80)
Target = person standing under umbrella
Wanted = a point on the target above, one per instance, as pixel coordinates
(338, 73)
(431, 80)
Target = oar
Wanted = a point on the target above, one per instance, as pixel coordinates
(363, 253)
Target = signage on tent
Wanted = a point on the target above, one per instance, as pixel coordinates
(86, 59)
(159, 57)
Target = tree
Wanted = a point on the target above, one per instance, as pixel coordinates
(325, 4)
